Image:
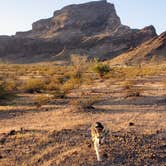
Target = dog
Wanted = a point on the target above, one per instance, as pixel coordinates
(100, 138)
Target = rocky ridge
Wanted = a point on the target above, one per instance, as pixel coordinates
(151, 51)
(93, 29)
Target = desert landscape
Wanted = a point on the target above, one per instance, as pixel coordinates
(49, 127)
(50, 97)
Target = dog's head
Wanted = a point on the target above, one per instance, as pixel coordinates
(99, 132)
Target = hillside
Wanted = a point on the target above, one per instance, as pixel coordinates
(93, 29)
(152, 51)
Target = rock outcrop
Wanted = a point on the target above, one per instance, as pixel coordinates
(152, 51)
(92, 28)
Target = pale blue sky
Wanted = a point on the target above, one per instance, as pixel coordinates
(18, 15)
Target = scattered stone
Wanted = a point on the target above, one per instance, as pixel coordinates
(12, 132)
(131, 124)
(3, 140)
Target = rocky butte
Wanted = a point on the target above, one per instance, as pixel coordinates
(93, 29)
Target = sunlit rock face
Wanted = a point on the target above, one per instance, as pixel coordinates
(92, 28)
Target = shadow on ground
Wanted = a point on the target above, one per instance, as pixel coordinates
(74, 147)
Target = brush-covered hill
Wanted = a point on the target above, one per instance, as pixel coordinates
(151, 51)
(92, 28)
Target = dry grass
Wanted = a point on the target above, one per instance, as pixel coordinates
(83, 104)
(52, 134)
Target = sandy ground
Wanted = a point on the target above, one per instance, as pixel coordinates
(58, 134)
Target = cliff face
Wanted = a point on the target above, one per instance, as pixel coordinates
(92, 28)
(84, 19)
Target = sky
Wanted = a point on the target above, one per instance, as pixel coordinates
(18, 15)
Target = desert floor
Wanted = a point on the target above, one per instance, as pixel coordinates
(59, 133)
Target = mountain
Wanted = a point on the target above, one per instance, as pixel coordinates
(152, 51)
(93, 29)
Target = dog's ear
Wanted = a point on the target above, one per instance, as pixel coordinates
(99, 125)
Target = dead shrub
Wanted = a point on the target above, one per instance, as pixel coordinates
(11, 85)
(70, 84)
(133, 93)
(83, 104)
(3, 92)
(52, 86)
(33, 86)
(42, 100)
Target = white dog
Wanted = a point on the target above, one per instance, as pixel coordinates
(99, 136)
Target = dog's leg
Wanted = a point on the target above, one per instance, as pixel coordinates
(97, 146)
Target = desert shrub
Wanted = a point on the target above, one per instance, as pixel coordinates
(11, 85)
(7, 90)
(78, 61)
(3, 92)
(102, 69)
(33, 85)
(71, 84)
(64, 78)
(82, 104)
(80, 65)
(64, 89)
(42, 100)
(52, 86)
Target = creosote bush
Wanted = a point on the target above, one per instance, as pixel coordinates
(33, 85)
(102, 69)
(42, 100)
(5, 94)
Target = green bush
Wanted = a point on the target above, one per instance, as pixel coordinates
(102, 69)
